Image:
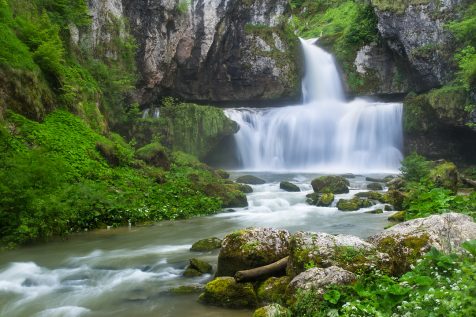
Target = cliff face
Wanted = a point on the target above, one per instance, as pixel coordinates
(214, 50)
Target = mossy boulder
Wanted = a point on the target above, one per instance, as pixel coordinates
(396, 183)
(273, 310)
(375, 186)
(222, 173)
(319, 279)
(325, 250)
(247, 189)
(321, 200)
(197, 267)
(154, 154)
(353, 204)
(445, 175)
(289, 187)
(371, 195)
(388, 208)
(233, 197)
(273, 290)
(399, 216)
(226, 292)
(330, 184)
(394, 198)
(375, 211)
(250, 180)
(406, 242)
(206, 245)
(250, 248)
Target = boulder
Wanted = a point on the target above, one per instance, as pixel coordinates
(247, 189)
(396, 183)
(394, 198)
(206, 245)
(319, 279)
(154, 154)
(388, 208)
(250, 248)
(445, 175)
(197, 267)
(348, 175)
(325, 250)
(226, 292)
(273, 290)
(399, 216)
(375, 211)
(353, 204)
(330, 184)
(289, 187)
(250, 180)
(273, 310)
(408, 241)
(375, 186)
(371, 195)
(222, 173)
(324, 200)
(375, 180)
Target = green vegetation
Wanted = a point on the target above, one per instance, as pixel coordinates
(439, 285)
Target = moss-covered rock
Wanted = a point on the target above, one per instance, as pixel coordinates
(371, 195)
(187, 289)
(250, 248)
(250, 180)
(222, 173)
(375, 211)
(226, 292)
(394, 198)
(233, 197)
(399, 216)
(388, 208)
(445, 175)
(206, 245)
(197, 267)
(247, 189)
(309, 249)
(191, 272)
(375, 186)
(154, 154)
(353, 204)
(194, 129)
(330, 184)
(289, 187)
(321, 200)
(319, 279)
(273, 290)
(273, 310)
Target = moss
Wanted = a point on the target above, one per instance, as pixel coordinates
(201, 266)
(326, 200)
(186, 290)
(375, 186)
(371, 195)
(397, 6)
(274, 310)
(353, 204)
(154, 154)
(247, 189)
(330, 184)
(445, 175)
(191, 272)
(289, 187)
(376, 211)
(394, 198)
(206, 245)
(225, 292)
(273, 290)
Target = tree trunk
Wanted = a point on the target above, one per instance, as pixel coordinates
(273, 269)
(468, 181)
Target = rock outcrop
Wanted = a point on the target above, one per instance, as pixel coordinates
(215, 50)
(318, 279)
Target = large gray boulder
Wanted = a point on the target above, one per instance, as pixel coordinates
(250, 248)
(408, 241)
(318, 279)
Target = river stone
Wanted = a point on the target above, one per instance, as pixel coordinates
(273, 290)
(394, 198)
(375, 211)
(398, 216)
(375, 186)
(201, 266)
(250, 180)
(226, 292)
(318, 279)
(396, 183)
(445, 175)
(325, 250)
(321, 200)
(247, 189)
(222, 174)
(206, 245)
(353, 204)
(331, 184)
(289, 187)
(187, 289)
(408, 241)
(371, 195)
(273, 310)
(250, 248)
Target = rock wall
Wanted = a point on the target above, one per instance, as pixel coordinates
(214, 50)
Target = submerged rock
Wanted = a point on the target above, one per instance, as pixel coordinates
(325, 250)
(375, 186)
(408, 241)
(205, 245)
(353, 204)
(319, 279)
(197, 267)
(247, 189)
(250, 248)
(375, 211)
(273, 310)
(330, 184)
(289, 187)
(324, 200)
(226, 292)
(250, 180)
(187, 289)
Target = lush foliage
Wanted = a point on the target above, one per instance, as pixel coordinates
(60, 176)
(439, 285)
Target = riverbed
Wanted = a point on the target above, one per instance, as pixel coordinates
(130, 271)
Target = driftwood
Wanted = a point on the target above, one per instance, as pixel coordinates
(273, 269)
(468, 181)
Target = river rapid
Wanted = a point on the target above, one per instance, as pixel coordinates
(130, 271)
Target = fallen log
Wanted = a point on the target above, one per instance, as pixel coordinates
(468, 181)
(274, 269)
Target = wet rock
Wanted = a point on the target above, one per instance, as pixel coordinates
(445, 175)
(273, 290)
(374, 186)
(206, 245)
(374, 180)
(187, 289)
(389, 178)
(250, 180)
(330, 184)
(399, 216)
(408, 241)
(394, 198)
(234, 198)
(222, 173)
(325, 250)
(250, 248)
(316, 199)
(375, 211)
(273, 310)
(348, 175)
(388, 208)
(197, 267)
(226, 292)
(396, 183)
(371, 195)
(191, 272)
(289, 187)
(353, 204)
(247, 189)
(319, 279)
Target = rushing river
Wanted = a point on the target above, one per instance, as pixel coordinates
(129, 271)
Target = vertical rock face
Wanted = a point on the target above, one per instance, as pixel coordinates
(216, 50)
(415, 30)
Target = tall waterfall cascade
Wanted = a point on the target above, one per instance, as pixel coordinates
(326, 133)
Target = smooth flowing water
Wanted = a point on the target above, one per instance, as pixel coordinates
(326, 133)
(126, 272)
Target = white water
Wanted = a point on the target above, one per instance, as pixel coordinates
(326, 133)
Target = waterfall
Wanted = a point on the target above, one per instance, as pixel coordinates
(324, 134)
